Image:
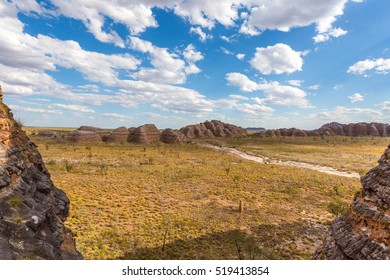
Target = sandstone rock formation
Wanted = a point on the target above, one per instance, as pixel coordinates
(103, 133)
(82, 136)
(282, 132)
(171, 136)
(332, 129)
(214, 128)
(49, 134)
(144, 134)
(32, 209)
(364, 231)
(119, 135)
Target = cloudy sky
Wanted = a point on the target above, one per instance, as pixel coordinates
(268, 63)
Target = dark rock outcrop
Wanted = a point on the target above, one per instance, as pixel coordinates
(49, 134)
(214, 128)
(364, 231)
(82, 136)
(32, 209)
(103, 133)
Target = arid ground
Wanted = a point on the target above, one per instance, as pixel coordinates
(183, 201)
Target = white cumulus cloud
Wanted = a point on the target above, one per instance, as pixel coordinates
(380, 65)
(202, 36)
(73, 107)
(240, 56)
(278, 59)
(356, 97)
(276, 93)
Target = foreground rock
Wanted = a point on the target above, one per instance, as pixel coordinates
(32, 209)
(363, 233)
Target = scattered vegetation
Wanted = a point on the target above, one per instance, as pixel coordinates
(15, 200)
(182, 201)
(355, 154)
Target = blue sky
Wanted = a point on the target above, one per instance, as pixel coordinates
(258, 63)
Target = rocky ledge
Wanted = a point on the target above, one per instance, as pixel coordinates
(32, 209)
(363, 233)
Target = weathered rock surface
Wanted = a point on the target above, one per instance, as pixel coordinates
(214, 128)
(364, 231)
(171, 136)
(119, 135)
(32, 209)
(145, 134)
(49, 134)
(82, 136)
(282, 132)
(103, 133)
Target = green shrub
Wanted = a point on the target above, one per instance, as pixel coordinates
(337, 207)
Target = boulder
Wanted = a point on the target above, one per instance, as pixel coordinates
(363, 233)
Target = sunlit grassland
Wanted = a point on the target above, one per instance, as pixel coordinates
(127, 199)
(358, 154)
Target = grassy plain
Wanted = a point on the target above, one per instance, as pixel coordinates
(358, 154)
(182, 201)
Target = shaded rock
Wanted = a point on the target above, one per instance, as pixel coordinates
(373, 131)
(81, 136)
(298, 133)
(219, 131)
(270, 133)
(49, 134)
(171, 136)
(32, 209)
(188, 131)
(119, 135)
(103, 133)
(364, 231)
(360, 129)
(208, 134)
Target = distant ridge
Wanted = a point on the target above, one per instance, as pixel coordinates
(148, 133)
(333, 129)
(255, 128)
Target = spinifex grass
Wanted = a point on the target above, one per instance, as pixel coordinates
(183, 195)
